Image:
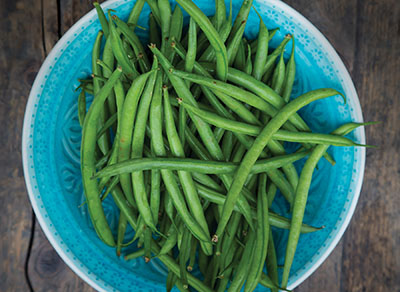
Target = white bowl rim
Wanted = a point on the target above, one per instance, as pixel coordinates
(40, 76)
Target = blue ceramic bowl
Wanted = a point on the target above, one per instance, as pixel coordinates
(51, 142)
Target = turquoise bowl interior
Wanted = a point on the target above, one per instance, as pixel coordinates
(51, 144)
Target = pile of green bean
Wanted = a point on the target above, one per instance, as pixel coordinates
(187, 136)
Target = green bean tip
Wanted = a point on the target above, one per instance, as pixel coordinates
(370, 123)
(288, 36)
(214, 238)
(189, 268)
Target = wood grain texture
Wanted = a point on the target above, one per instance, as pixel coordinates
(21, 54)
(365, 33)
(371, 255)
(47, 270)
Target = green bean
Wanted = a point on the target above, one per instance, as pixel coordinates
(262, 235)
(102, 18)
(289, 75)
(106, 126)
(272, 262)
(271, 34)
(189, 63)
(211, 272)
(170, 242)
(165, 17)
(272, 57)
(175, 30)
(235, 105)
(140, 228)
(206, 180)
(88, 168)
(192, 44)
(209, 54)
(139, 131)
(240, 60)
(185, 178)
(122, 204)
(154, 10)
(126, 130)
(259, 144)
(171, 281)
(103, 142)
(135, 43)
(233, 91)
(182, 91)
(134, 255)
(203, 262)
(180, 286)
(122, 222)
(233, 257)
(242, 15)
(155, 194)
(233, 45)
(81, 107)
(192, 254)
(249, 63)
(171, 265)
(282, 135)
(110, 187)
(278, 76)
(108, 62)
(262, 50)
(220, 13)
(196, 146)
(183, 257)
(153, 29)
(301, 200)
(267, 282)
(195, 165)
(168, 177)
(147, 244)
(118, 50)
(244, 265)
(169, 207)
(219, 133)
(227, 145)
(135, 12)
(212, 35)
(102, 161)
(272, 189)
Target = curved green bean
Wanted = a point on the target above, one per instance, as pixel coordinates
(88, 168)
(195, 165)
(259, 144)
(212, 35)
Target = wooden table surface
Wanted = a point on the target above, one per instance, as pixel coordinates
(366, 34)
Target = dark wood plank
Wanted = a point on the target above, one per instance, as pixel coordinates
(71, 11)
(47, 270)
(21, 53)
(337, 22)
(371, 255)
